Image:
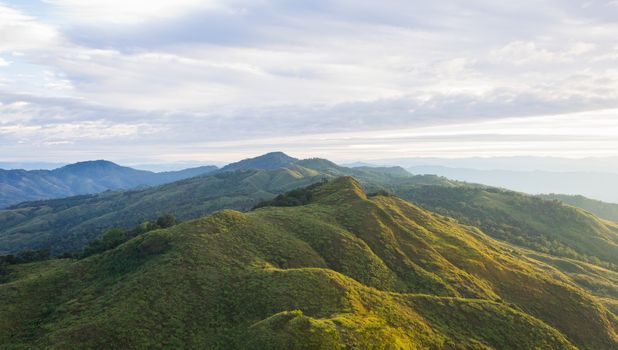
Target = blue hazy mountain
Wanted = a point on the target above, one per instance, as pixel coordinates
(20, 185)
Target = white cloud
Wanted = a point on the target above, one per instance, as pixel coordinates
(128, 12)
(22, 32)
(182, 71)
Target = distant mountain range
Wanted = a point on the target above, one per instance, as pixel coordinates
(17, 186)
(70, 223)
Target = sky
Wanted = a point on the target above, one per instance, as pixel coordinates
(158, 81)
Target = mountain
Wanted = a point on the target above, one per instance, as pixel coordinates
(526, 221)
(607, 211)
(590, 184)
(69, 223)
(17, 186)
(344, 270)
(271, 160)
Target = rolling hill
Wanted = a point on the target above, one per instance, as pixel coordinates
(68, 224)
(18, 186)
(607, 211)
(547, 227)
(345, 269)
(524, 220)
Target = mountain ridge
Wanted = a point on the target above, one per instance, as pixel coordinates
(525, 221)
(79, 178)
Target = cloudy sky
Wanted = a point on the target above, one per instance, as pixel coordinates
(185, 80)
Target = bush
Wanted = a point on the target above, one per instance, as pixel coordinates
(116, 236)
(293, 198)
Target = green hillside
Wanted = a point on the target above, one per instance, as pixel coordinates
(342, 271)
(607, 211)
(68, 224)
(527, 221)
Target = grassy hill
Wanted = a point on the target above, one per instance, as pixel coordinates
(68, 224)
(527, 221)
(344, 270)
(607, 211)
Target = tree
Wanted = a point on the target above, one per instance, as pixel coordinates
(167, 220)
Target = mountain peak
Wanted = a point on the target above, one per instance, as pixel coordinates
(90, 164)
(344, 188)
(270, 160)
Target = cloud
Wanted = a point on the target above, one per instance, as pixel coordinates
(21, 32)
(125, 12)
(177, 73)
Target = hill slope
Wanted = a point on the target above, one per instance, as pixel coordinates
(523, 220)
(344, 270)
(69, 223)
(18, 186)
(607, 211)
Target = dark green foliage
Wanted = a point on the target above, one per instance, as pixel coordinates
(607, 211)
(167, 220)
(299, 196)
(110, 239)
(116, 236)
(22, 257)
(379, 193)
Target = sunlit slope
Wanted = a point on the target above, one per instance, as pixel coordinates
(528, 221)
(342, 270)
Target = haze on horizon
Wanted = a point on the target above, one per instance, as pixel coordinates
(186, 80)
